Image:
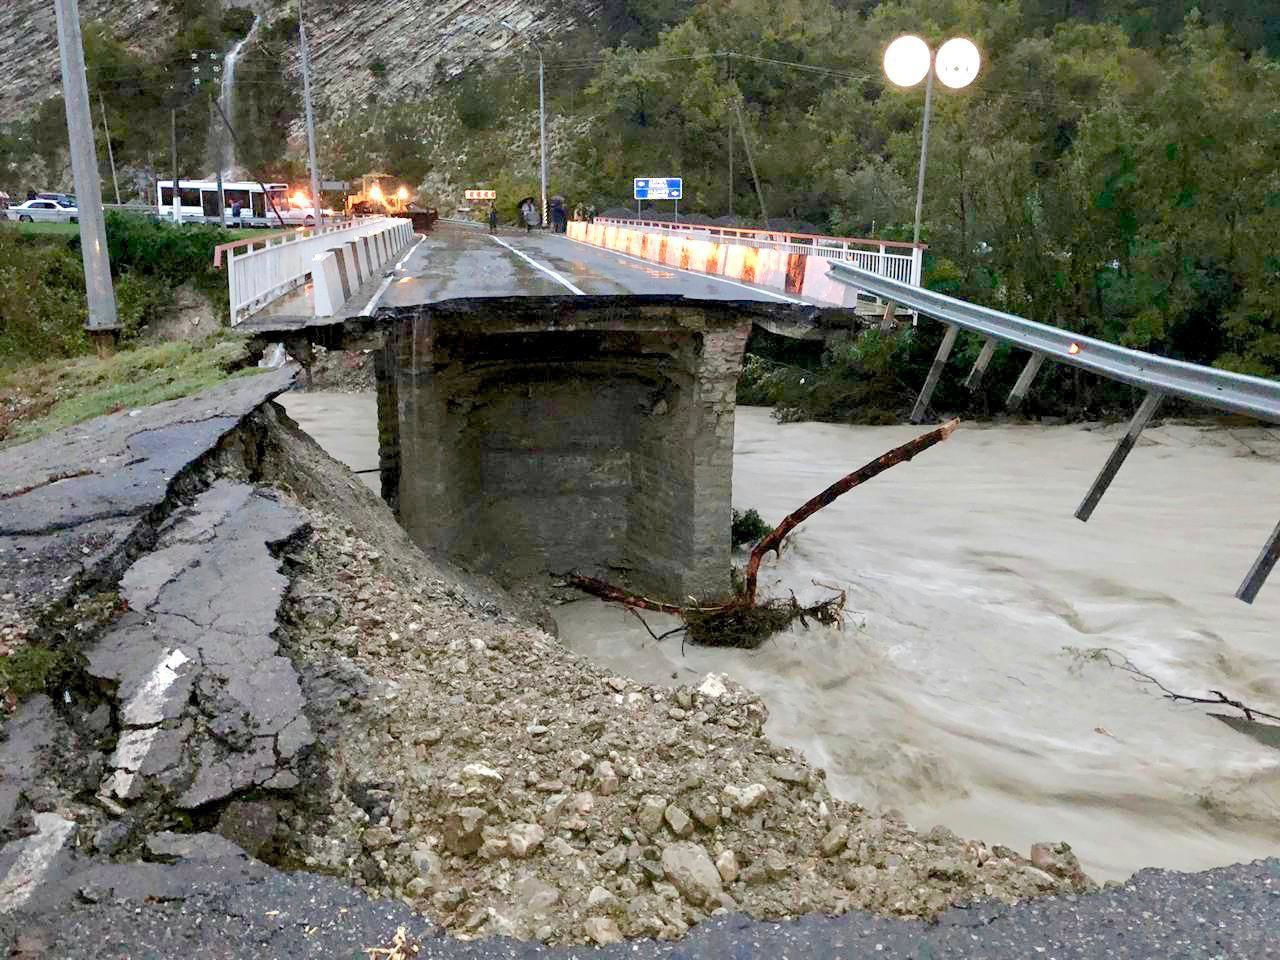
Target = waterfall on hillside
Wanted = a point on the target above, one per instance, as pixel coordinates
(226, 98)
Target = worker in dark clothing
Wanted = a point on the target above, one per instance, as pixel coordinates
(493, 218)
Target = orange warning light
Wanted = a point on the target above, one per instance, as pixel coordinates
(1073, 349)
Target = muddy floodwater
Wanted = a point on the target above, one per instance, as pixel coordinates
(953, 692)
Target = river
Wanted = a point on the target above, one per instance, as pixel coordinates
(951, 693)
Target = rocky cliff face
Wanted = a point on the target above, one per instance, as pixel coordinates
(359, 48)
(398, 48)
(29, 69)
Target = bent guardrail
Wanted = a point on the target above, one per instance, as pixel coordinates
(1158, 376)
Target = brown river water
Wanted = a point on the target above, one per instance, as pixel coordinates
(951, 694)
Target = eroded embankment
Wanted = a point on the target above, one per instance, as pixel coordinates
(409, 728)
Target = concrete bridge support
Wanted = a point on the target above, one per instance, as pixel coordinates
(596, 438)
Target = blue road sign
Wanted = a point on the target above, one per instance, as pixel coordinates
(658, 188)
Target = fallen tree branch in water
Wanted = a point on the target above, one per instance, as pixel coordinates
(741, 621)
(773, 540)
(607, 591)
(1122, 662)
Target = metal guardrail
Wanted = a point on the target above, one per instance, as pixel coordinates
(260, 270)
(1222, 389)
(875, 255)
(1158, 376)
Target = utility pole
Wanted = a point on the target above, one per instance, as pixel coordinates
(102, 321)
(731, 138)
(173, 149)
(542, 117)
(729, 71)
(311, 123)
(111, 157)
(746, 142)
(542, 134)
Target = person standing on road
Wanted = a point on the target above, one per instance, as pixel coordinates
(235, 213)
(493, 217)
(529, 213)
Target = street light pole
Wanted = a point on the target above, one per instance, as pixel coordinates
(924, 153)
(102, 320)
(907, 61)
(311, 123)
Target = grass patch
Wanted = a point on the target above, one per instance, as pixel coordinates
(27, 670)
(49, 229)
(57, 393)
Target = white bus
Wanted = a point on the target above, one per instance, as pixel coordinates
(198, 203)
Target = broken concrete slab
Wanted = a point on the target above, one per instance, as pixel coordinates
(73, 502)
(207, 704)
(170, 847)
(35, 742)
(29, 863)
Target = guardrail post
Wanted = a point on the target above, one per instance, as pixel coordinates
(1146, 410)
(974, 380)
(1261, 567)
(326, 284)
(1019, 391)
(341, 256)
(935, 371)
(354, 255)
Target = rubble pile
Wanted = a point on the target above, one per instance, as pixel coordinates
(503, 785)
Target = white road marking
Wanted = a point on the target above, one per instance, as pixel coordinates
(695, 273)
(34, 860)
(534, 263)
(147, 705)
(144, 709)
(386, 282)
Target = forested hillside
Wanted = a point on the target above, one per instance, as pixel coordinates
(1113, 168)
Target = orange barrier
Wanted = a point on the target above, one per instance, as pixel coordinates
(792, 272)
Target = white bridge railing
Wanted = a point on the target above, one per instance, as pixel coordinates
(888, 258)
(262, 270)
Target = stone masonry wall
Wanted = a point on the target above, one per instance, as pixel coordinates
(585, 446)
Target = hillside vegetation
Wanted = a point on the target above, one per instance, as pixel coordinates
(1113, 168)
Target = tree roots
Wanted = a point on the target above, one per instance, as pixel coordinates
(742, 621)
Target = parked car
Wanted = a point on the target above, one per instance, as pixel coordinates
(48, 211)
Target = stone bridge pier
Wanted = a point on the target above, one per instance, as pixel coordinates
(597, 436)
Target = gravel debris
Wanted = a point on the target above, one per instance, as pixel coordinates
(503, 785)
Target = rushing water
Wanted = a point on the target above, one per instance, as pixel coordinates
(227, 97)
(949, 694)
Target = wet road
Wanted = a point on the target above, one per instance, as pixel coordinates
(455, 261)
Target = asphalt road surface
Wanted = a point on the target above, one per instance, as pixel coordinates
(456, 261)
(237, 909)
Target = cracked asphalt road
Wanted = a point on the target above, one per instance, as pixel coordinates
(230, 909)
(71, 501)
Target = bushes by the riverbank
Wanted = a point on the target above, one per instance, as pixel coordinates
(42, 299)
(874, 376)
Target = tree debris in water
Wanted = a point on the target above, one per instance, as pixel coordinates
(1114, 658)
(743, 620)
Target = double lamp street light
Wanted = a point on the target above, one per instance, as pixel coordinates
(907, 61)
